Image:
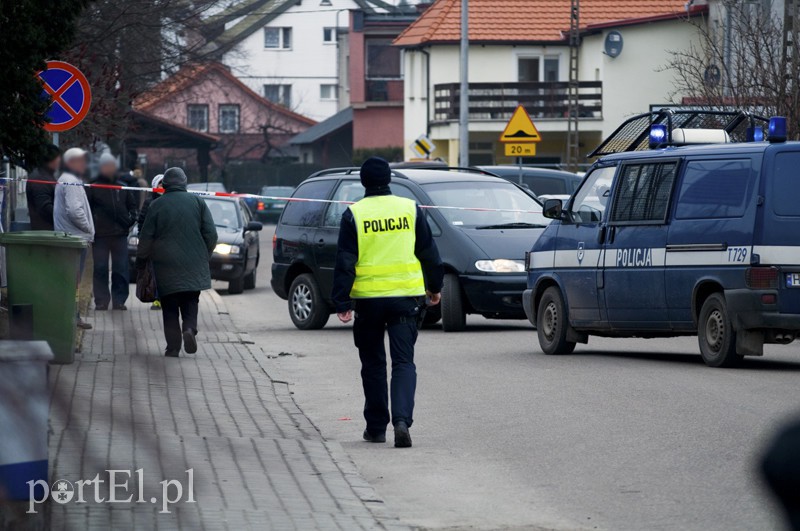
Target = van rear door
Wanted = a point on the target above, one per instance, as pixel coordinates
(778, 231)
(711, 233)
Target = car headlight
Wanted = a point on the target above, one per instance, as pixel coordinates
(133, 241)
(224, 248)
(500, 265)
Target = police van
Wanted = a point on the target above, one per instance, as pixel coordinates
(697, 235)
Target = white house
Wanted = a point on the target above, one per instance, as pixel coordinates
(521, 56)
(293, 52)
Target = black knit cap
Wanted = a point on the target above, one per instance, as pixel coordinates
(375, 172)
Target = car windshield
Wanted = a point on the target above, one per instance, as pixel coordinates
(496, 195)
(225, 213)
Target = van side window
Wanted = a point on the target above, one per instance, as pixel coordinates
(591, 199)
(643, 192)
(727, 182)
(350, 191)
(786, 184)
(307, 214)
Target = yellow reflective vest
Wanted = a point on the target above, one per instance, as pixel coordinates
(387, 265)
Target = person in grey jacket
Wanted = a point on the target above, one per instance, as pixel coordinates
(71, 211)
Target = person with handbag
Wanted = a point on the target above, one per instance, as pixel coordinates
(178, 237)
(114, 213)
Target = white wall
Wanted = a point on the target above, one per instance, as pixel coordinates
(308, 64)
(631, 82)
(639, 77)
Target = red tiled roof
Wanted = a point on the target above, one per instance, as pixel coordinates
(530, 20)
(190, 73)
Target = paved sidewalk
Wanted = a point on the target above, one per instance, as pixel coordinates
(257, 460)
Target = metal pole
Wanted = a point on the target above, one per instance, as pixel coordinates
(55, 139)
(463, 116)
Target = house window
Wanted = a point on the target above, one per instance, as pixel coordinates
(278, 38)
(198, 117)
(228, 118)
(383, 60)
(536, 69)
(329, 92)
(329, 35)
(280, 94)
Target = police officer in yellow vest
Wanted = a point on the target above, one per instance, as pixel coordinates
(387, 262)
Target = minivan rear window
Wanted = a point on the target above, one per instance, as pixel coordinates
(715, 189)
(786, 184)
(307, 214)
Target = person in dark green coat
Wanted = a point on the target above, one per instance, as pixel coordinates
(178, 236)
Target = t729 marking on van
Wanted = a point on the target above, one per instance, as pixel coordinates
(737, 254)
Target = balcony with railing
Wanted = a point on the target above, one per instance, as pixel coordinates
(497, 101)
(384, 90)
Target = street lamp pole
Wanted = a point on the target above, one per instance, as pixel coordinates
(463, 115)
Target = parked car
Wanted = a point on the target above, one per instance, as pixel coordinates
(483, 252)
(541, 181)
(236, 256)
(270, 209)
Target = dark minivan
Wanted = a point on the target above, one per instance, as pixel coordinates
(483, 251)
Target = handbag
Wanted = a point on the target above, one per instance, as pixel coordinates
(146, 290)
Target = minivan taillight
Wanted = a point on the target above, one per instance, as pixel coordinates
(274, 241)
(761, 277)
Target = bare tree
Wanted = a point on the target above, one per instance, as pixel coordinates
(125, 48)
(745, 58)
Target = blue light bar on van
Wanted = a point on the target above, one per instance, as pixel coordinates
(755, 134)
(658, 135)
(777, 129)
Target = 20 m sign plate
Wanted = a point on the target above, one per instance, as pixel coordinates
(71, 95)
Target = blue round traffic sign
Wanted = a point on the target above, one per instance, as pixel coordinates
(71, 94)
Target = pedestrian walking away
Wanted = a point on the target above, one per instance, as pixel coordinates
(178, 236)
(40, 195)
(386, 263)
(71, 211)
(114, 213)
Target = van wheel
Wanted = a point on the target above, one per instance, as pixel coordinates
(716, 335)
(307, 308)
(551, 323)
(454, 318)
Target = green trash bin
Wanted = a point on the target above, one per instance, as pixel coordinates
(42, 271)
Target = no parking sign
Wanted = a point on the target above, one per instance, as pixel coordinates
(71, 95)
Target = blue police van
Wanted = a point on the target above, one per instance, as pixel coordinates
(677, 229)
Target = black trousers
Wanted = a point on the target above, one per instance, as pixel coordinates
(115, 247)
(177, 306)
(398, 316)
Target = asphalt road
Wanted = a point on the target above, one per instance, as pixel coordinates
(622, 434)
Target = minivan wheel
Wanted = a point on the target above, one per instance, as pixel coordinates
(454, 317)
(715, 333)
(307, 308)
(551, 323)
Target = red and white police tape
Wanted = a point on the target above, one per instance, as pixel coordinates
(255, 196)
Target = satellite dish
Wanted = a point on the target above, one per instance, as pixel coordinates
(613, 44)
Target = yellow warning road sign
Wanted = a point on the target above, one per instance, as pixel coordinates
(521, 150)
(520, 128)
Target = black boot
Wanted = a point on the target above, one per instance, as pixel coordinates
(402, 439)
(377, 438)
